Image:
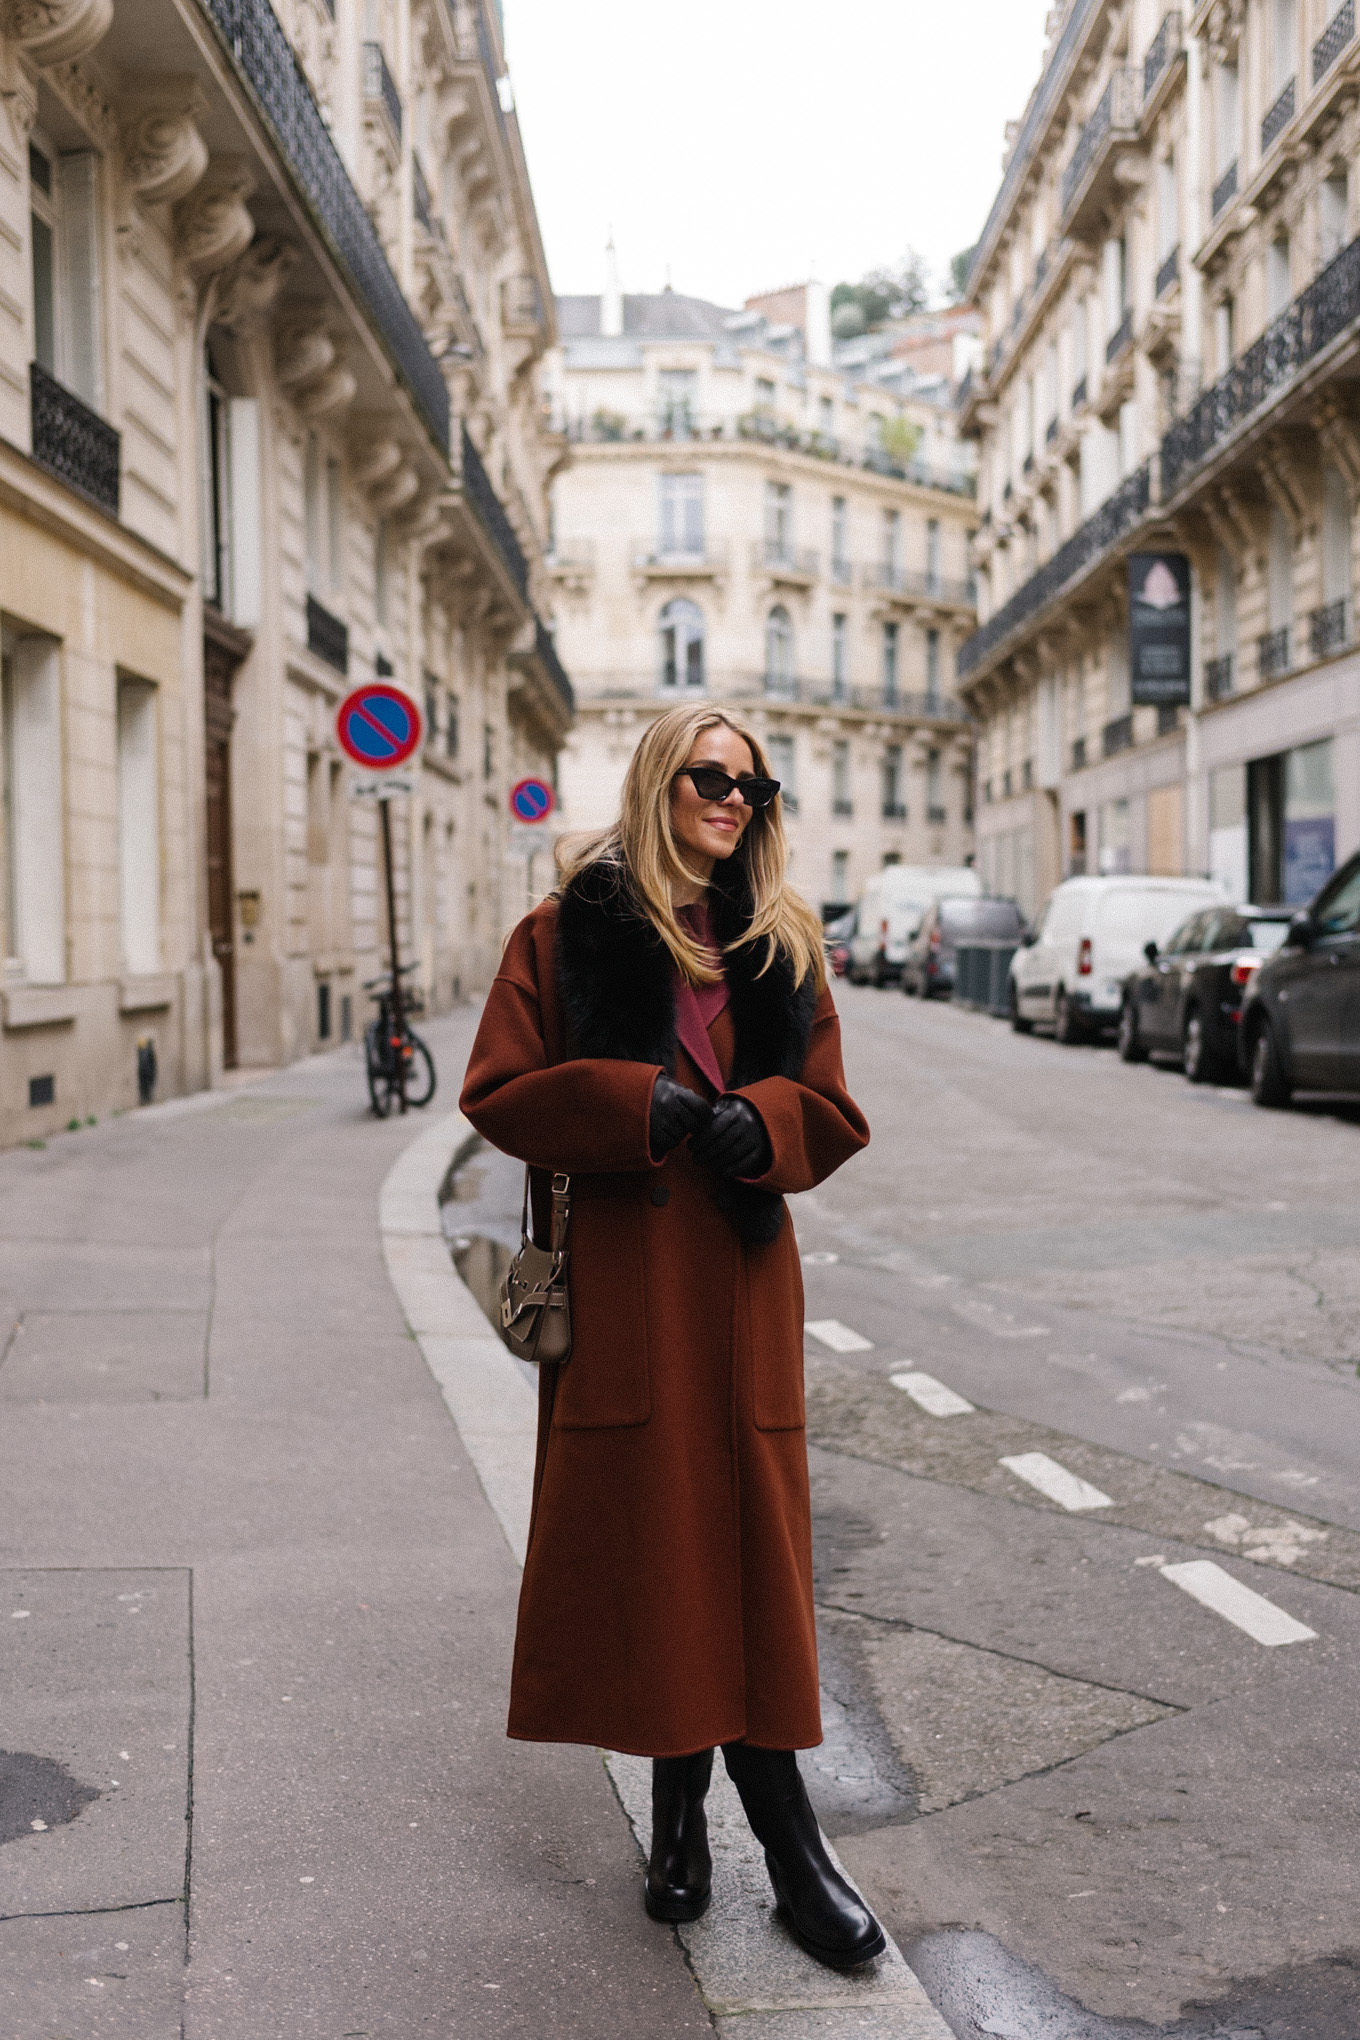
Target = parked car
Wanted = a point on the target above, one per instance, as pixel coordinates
(929, 965)
(836, 935)
(1301, 1015)
(1187, 998)
(890, 911)
(1088, 940)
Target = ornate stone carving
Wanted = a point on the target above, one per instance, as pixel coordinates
(374, 460)
(304, 349)
(247, 289)
(331, 392)
(56, 31)
(20, 95)
(214, 226)
(164, 155)
(395, 494)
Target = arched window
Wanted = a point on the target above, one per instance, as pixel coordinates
(779, 651)
(682, 646)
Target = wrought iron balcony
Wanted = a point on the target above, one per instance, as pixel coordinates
(1330, 304)
(1170, 271)
(1111, 522)
(1272, 653)
(894, 580)
(894, 811)
(1339, 31)
(780, 557)
(1165, 45)
(1120, 338)
(380, 87)
(1115, 117)
(1218, 677)
(1278, 118)
(491, 514)
(327, 636)
(1225, 189)
(801, 693)
(1328, 628)
(73, 442)
(1116, 736)
(545, 651)
(255, 39)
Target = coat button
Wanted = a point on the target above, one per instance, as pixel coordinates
(659, 1194)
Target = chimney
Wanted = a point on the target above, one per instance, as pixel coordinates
(611, 304)
(817, 329)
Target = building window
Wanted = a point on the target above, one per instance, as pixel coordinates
(139, 851)
(779, 650)
(840, 539)
(64, 226)
(1223, 335)
(894, 807)
(933, 554)
(840, 657)
(826, 417)
(1333, 206)
(764, 396)
(935, 808)
(1336, 537)
(892, 545)
(681, 626)
(1277, 276)
(840, 878)
(778, 521)
(933, 667)
(682, 515)
(1280, 574)
(783, 766)
(892, 633)
(450, 725)
(841, 802)
(34, 861)
(431, 731)
(488, 750)
(676, 414)
(1115, 853)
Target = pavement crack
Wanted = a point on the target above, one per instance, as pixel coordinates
(90, 1912)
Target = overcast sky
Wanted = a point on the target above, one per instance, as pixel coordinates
(741, 144)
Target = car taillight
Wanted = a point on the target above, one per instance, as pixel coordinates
(883, 930)
(934, 938)
(1084, 964)
(1245, 969)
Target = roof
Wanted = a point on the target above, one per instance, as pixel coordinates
(662, 315)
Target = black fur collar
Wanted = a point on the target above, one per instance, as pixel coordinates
(618, 1000)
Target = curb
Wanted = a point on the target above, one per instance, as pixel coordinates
(754, 1981)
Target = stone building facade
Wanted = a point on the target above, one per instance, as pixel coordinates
(273, 311)
(742, 518)
(1170, 287)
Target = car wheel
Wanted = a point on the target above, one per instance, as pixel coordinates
(1019, 1024)
(1066, 1026)
(1131, 1049)
(1196, 1060)
(1269, 1084)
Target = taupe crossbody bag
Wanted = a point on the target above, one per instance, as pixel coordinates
(535, 1303)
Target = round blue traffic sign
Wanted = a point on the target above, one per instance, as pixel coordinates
(532, 800)
(378, 726)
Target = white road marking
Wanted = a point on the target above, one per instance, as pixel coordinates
(1068, 1490)
(839, 1337)
(1213, 1588)
(932, 1395)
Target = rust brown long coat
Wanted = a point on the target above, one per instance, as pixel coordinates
(667, 1596)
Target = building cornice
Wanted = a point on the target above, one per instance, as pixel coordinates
(683, 453)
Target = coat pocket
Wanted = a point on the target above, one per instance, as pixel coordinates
(606, 1384)
(774, 1294)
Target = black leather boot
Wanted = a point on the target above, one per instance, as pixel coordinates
(680, 1869)
(821, 1911)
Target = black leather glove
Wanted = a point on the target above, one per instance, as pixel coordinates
(734, 1143)
(675, 1112)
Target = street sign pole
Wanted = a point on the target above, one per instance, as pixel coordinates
(385, 809)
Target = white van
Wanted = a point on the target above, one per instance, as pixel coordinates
(1087, 940)
(891, 909)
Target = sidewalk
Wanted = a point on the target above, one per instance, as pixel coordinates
(258, 1603)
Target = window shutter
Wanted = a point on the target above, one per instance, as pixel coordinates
(243, 441)
(36, 822)
(79, 319)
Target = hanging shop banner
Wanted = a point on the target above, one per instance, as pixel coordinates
(1159, 629)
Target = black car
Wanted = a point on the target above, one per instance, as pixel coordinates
(929, 965)
(1187, 999)
(1301, 1016)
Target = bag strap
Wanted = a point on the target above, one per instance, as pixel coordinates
(524, 1211)
(561, 1213)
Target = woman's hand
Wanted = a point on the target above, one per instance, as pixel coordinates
(734, 1143)
(675, 1112)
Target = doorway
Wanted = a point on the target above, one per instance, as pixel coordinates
(223, 650)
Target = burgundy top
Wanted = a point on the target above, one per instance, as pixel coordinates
(698, 1006)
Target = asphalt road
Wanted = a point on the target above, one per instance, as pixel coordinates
(1089, 1802)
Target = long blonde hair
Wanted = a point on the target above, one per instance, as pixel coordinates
(643, 843)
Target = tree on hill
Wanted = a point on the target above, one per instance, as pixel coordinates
(882, 295)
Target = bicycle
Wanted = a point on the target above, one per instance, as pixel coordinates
(399, 1066)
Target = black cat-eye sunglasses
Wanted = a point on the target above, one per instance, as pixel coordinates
(712, 784)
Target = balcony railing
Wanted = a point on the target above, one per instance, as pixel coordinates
(327, 636)
(1328, 629)
(803, 693)
(1218, 677)
(73, 442)
(1116, 736)
(1164, 46)
(1115, 517)
(491, 512)
(1169, 272)
(679, 422)
(1120, 338)
(893, 580)
(1272, 653)
(779, 556)
(1330, 304)
(1115, 112)
(254, 36)
(545, 650)
(380, 86)
(1225, 189)
(1278, 118)
(1339, 31)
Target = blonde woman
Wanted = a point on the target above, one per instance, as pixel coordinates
(662, 1031)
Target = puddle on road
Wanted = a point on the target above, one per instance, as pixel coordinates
(479, 1208)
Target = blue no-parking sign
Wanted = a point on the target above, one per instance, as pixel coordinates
(532, 800)
(378, 726)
